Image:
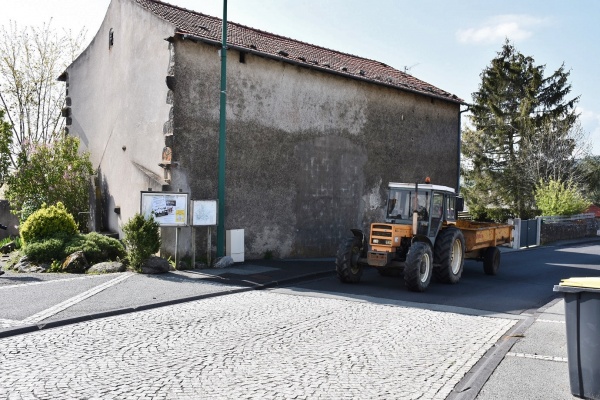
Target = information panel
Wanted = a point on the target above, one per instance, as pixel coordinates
(168, 208)
(204, 212)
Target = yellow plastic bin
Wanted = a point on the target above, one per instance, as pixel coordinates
(582, 316)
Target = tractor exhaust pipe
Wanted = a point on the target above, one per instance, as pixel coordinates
(415, 210)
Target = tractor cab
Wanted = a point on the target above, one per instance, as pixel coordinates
(425, 207)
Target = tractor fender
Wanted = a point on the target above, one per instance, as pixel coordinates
(360, 235)
(421, 238)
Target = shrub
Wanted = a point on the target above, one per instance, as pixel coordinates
(45, 250)
(12, 239)
(96, 247)
(48, 222)
(560, 198)
(142, 239)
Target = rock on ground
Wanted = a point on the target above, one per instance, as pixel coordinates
(107, 267)
(155, 265)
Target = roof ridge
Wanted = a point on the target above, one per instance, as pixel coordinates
(293, 50)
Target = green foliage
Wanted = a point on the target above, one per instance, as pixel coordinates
(5, 143)
(46, 249)
(15, 239)
(522, 131)
(55, 266)
(493, 214)
(96, 247)
(48, 222)
(142, 239)
(589, 170)
(53, 173)
(559, 198)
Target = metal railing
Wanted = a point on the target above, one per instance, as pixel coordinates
(562, 218)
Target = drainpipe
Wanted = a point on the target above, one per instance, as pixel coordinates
(223, 119)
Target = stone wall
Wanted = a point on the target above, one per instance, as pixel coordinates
(566, 230)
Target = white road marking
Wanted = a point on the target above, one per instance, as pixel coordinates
(34, 319)
(19, 285)
(537, 357)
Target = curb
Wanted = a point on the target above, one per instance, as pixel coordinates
(470, 385)
(9, 332)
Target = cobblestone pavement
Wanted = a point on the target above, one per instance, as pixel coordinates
(252, 345)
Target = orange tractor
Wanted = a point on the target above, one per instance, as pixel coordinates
(422, 237)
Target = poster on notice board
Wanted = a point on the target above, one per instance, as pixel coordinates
(168, 208)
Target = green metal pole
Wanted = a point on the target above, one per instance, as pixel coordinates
(223, 119)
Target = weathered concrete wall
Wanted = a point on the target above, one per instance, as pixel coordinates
(309, 154)
(567, 230)
(119, 106)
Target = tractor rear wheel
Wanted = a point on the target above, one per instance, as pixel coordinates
(449, 255)
(419, 267)
(491, 260)
(346, 261)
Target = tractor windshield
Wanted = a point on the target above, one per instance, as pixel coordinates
(401, 205)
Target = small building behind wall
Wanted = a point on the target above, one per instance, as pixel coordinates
(313, 135)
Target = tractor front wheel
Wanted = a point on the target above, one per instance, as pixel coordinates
(419, 267)
(346, 261)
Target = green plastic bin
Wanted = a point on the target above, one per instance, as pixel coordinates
(582, 317)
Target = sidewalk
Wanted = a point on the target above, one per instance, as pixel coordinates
(529, 362)
(35, 301)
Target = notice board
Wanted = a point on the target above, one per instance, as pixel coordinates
(168, 208)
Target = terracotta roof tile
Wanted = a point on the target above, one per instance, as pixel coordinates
(209, 28)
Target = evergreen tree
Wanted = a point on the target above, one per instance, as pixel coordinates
(589, 171)
(520, 120)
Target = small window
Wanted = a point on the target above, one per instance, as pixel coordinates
(451, 208)
(111, 38)
(242, 57)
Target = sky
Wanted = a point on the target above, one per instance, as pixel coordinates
(447, 43)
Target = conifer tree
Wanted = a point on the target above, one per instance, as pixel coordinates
(520, 118)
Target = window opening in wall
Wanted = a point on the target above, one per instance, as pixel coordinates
(111, 38)
(242, 57)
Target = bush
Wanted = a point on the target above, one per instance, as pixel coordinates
(560, 198)
(142, 239)
(45, 250)
(96, 247)
(12, 239)
(48, 222)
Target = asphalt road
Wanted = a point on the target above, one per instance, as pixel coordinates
(525, 281)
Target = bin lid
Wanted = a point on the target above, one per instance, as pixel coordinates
(591, 283)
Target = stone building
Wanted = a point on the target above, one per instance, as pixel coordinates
(313, 135)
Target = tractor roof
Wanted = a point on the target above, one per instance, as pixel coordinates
(424, 186)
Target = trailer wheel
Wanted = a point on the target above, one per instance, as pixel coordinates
(491, 260)
(346, 261)
(449, 255)
(419, 267)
